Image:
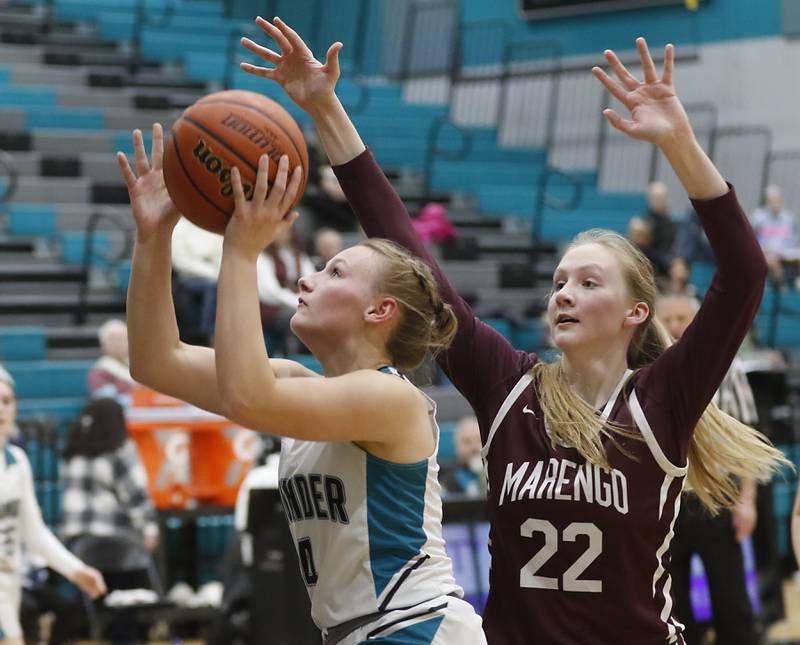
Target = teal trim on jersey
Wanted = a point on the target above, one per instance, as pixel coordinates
(10, 459)
(420, 634)
(395, 514)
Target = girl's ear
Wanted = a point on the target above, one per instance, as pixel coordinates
(384, 309)
(637, 315)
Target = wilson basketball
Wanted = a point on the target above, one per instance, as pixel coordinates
(219, 131)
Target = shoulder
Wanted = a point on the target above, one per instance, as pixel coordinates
(15, 454)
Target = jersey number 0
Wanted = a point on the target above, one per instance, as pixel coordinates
(527, 575)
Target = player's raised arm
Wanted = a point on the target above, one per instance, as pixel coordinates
(311, 85)
(158, 358)
(702, 357)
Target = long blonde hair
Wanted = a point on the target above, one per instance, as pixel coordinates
(722, 449)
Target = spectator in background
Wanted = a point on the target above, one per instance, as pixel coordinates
(196, 258)
(776, 230)
(279, 268)
(326, 204)
(467, 477)
(110, 376)
(796, 528)
(691, 245)
(433, 225)
(714, 538)
(105, 483)
(21, 524)
(661, 222)
(640, 232)
(327, 245)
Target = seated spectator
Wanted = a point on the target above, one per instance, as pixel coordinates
(467, 477)
(110, 375)
(196, 259)
(327, 245)
(105, 483)
(279, 268)
(776, 230)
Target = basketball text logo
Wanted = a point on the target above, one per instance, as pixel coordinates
(264, 140)
(215, 166)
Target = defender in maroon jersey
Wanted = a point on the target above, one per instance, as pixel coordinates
(580, 552)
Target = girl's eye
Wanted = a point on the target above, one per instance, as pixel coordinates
(558, 285)
(335, 272)
(589, 283)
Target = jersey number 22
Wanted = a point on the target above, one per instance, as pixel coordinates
(570, 582)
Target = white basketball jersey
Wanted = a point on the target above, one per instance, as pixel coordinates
(368, 532)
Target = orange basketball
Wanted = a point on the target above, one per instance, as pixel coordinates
(217, 132)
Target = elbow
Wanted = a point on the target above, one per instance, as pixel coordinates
(237, 408)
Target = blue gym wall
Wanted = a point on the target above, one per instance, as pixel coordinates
(716, 20)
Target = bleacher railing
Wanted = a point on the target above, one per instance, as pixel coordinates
(90, 258)
(9, 177)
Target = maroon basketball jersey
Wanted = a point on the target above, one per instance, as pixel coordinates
(579, 554)
(582, 552)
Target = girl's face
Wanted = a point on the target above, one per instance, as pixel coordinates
(334, 302)
(8, 410)
(590, 301)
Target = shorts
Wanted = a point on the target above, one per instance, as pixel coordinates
(10, 595)
(444, 621)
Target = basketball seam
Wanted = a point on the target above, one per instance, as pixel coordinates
(191, 180)
(265, 115)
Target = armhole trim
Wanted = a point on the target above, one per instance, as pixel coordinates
(513, 395)
(650, 439)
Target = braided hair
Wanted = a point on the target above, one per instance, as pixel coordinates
(427, 323)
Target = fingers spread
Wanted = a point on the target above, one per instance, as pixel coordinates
(291, 190)
(140, 156)
(273, 32)
(238, 191)
(261, 51)
(332, 58)
(262, 180)
(669, 64)
(625, 77)
(279, 187)
(614, 88)
(257, 71)
(157, 152)
(125, 169)
(648, 66)
(291, 35)
(623, 125)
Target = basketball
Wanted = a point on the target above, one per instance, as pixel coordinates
(219, 131)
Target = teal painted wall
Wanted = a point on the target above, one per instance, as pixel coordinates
(716, 20)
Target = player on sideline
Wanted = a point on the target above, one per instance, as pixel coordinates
(587, 456)
(358, 471)
(21, 524)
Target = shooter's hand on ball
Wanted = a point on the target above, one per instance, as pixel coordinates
(308, 82)
(256, 222)
(152, 207)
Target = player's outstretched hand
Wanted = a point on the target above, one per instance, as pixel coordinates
(307, 81)
(90, 581)
(151, 204)
(656, 113)
(258, 221)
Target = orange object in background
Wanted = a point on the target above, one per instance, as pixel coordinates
(191, 456)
